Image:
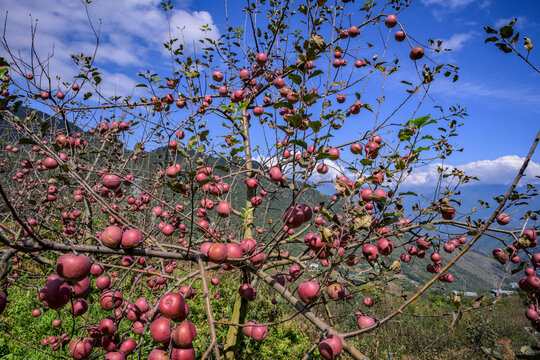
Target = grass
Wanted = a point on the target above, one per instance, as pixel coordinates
(402, 338)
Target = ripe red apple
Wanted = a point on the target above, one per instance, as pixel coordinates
(247, 245)
(333, 153)
(56, 293)
(251, 183)
(224, 209)
(259, 333)
(107, 326)
(128, 346)
(293, 217)
(80, 349)
(275, 174)
(503, 219)
(217, 76)
(172, 305)
(336, 291)
(167, 229)
(50, 163)
(217, 253)
(416, 53)
(390, 21)
(111, 181)
(184, 334)
(103, 282)
(356, 148)
(399, 35)
(158, 353)
(132, 238)
(370, 252)
(247, 292)
(73, 267)
(111, 300)
(379, 195)
(111, 236)
(96, 269)
(261, 59)
(385, 246)
(79, 307)
(183, 353)
(366, 321)
(309, 291)
(115, 355)
(160, 329)
(330, 347)
(81, 287)
(279, 83)
(234, 251)
(366, 194)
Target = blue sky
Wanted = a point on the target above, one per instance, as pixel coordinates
(500, 92)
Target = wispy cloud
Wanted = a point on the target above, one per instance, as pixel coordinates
(131, 34)
(450, 4)
(501, 171)
(441, 8)
(511, 94)
(520, 23)
(457, 41)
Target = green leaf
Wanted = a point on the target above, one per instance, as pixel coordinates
(177, 187)
(317, 41)
(87, 96)
(366, 162)
(503, 47)
(428, 226)
(222, 168)
(244, 105)
(515, 39)
(44, 127)
(408, 193)
(315, 73)
(405, 134)
(506, 32)
(299, 143)
(315, 125)
(520, 267)
(295, 78)
(490, 30)
(421, 121)
(491, 39)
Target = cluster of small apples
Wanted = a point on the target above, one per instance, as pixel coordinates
(45, 95)
(114, 237)
(417, 52)
(231, 254)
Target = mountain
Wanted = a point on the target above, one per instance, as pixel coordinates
(475, 271)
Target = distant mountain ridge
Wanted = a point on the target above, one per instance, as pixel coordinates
(475, 271)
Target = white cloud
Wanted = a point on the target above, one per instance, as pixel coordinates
(132, 33)
(457, 41)
(511, 94)
(500, 171)
(505, 21)
(452, 4)
(441, 8)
